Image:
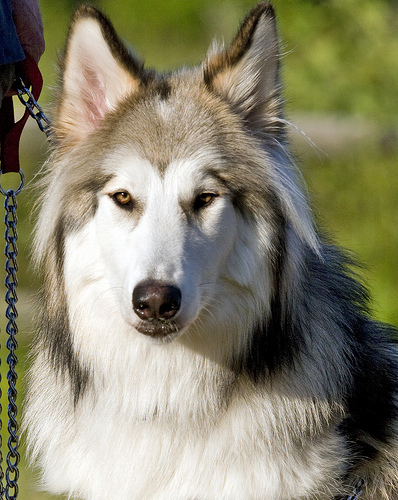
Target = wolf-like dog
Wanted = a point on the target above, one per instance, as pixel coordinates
(199, 339)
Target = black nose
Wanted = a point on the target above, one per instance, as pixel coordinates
(155, 300)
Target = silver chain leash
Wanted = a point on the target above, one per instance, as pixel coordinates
(10, 490)
(35, 110)
(357, 491)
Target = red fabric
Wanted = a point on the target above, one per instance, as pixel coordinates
(10, 132)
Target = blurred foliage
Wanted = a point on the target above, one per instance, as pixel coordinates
(355, 199)
(340, 58)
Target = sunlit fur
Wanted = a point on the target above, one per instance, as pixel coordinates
(271, 382)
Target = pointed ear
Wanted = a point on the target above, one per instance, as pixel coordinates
(97, 72)
(246, 74)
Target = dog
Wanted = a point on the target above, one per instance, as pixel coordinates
(199, 338)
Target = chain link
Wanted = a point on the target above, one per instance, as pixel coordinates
(10, 490)
(357, 491)
(35, 110)
(11, 282)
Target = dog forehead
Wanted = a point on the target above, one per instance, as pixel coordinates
(181, 177)
(166, 129)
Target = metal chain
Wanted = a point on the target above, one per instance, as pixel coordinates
(11, 252)
(10, 490)
(35, 110)
(357, 491)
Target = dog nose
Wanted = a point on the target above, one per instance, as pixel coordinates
(154, 300)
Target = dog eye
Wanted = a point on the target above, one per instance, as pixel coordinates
(123, 198)
(203, 200)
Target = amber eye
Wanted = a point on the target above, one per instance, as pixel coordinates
(203, 200)
(123, 198)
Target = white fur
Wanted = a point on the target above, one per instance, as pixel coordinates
(114, 252)
(107, 448)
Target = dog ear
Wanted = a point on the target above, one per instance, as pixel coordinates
(97, 72)
(246, 74)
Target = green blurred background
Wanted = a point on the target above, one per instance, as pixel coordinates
(341, 87)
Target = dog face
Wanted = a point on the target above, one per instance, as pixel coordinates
(167, 237)
(168, 229)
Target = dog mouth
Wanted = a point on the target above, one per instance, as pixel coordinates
(159, 330)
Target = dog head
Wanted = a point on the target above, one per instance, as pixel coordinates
(171, 190)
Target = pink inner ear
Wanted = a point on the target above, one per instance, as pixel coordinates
(94, 99)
